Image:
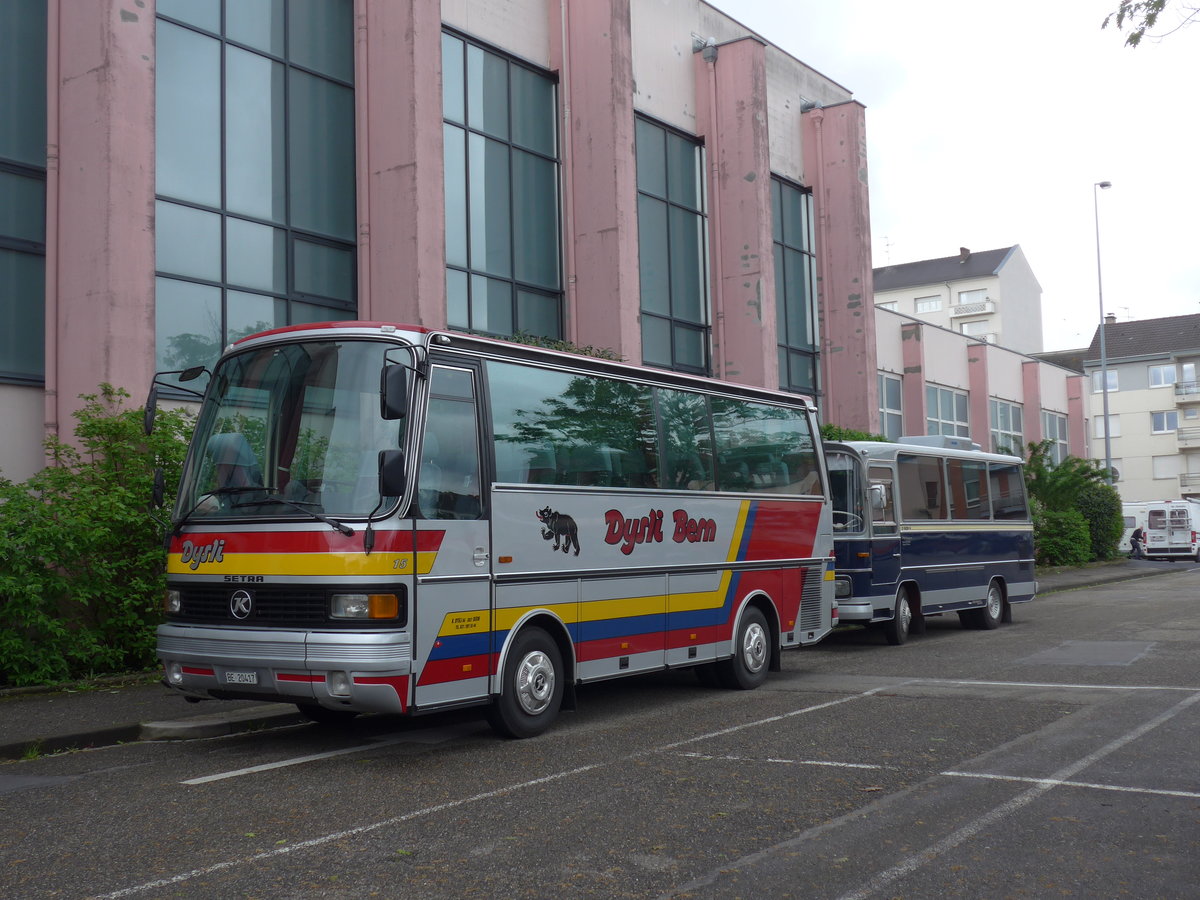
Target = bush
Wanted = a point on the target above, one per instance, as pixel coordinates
(1100, 506)
(1060, 537)
(81, 558)
(838, 433)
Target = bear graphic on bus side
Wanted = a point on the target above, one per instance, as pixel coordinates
(560, 528)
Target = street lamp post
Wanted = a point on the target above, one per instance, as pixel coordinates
(1096, 188)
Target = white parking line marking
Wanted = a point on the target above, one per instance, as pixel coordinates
(1051, 684)
(295, 761)
(1079, 784)
(787, 762)
(915, 861)
(451, 804)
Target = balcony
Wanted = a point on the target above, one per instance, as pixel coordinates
(983, 307)
(1189, 483)
(1187, 393)
(1188, 438)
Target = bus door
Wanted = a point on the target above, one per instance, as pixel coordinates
(885, 541)
(452, 611)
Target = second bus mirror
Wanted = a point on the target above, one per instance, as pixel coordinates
(878, 496)
(393, 392)
(391, 473)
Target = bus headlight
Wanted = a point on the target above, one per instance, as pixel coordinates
(841, 588)
(172, 602)
(339, 684)
(174, 673)
(364, 606)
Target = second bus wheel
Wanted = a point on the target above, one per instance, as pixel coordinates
(751, 653)
(990, 615)
(896, 630)
(532, 687)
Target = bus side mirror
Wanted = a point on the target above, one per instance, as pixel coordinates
(160, 487)
(151, 409)
(391, 473)
(393, 394)
(878, 496)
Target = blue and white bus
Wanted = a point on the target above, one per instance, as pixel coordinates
(926, 526)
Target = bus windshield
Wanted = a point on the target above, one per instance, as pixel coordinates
(290, 429)
(846, 492)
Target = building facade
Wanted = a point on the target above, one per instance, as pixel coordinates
(1153, 424)
(991, 296)
(647, 176)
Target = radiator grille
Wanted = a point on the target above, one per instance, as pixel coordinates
(277, 606)
(811, 611)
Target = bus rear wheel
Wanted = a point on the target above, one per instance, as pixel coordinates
(896, 631)
(751, 654)
(531, 691)
(990, 615)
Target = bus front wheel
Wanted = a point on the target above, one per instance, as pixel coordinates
(532, 689)
(896, 630)
(751, 654)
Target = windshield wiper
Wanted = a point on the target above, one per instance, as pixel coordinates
(301, 507)
(215, 492)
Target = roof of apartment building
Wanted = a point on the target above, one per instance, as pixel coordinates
(938, 271)
(1147, 337)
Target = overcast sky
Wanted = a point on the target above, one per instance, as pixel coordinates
(988, 123)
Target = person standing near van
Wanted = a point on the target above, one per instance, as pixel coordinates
(1135, 543)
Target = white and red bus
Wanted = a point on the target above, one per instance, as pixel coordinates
(380, 518)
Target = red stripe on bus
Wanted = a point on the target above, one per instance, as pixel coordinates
(191, 670)
(610, 648)
(304, 679)
(311, 541)
(398, 683)
(460, 668)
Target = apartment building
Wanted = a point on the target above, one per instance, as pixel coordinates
(1153, 423)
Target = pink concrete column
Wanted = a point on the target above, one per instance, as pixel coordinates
(100, 203)
(1077, 442)
(835, 160)
(1031, 388)
(913, 353)
(979, 412)
(591, 47)
(401, 205)
(731, 103)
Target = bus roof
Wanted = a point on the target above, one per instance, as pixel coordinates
(887, 450)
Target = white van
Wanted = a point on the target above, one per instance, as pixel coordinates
(1171, 527)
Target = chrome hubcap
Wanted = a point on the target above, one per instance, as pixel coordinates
(905, 613)
(994, 602)
(535, 682)
(754, 647)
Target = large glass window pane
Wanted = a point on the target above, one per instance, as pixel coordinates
(250, 313)
(690, 350)
(533, 111)
(797, 303)
(22, 207)
(651, 158)
(764, 448)
(23, 81)
(321, 149)
(683, 171)
(538, 314)
(535, 220)
(656, 341)
(687, 441)
(653, 268)
(187, 324)
(491, 305)
(254, 135)
(324, 271)
(258, 23)
(457, 300)
(454, 98)
(201, 13)
(22, 313)
(454, 151)
(255, 255)
(307, 313)
(688, 299)
(321, 36)
(922, 488)
(793, 218)
(187, 241)
(187, 115)
(487, 92)
(490, 214)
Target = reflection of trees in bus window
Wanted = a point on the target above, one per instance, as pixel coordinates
(764, 448)
(589, 430)
(687, 441)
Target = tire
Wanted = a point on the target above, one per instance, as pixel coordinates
(896, 630)
(331, 718)
(990, 615)
(747, 669)
(531, 691)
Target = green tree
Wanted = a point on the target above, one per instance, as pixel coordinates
(81, 559)
(1068, 495)
(831, 432)
(1139, 16)
(1100, 506)
(1056, 485)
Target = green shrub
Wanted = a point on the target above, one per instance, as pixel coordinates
(81, 558)
(1060, 537)
(1100, 506)
(838, 433)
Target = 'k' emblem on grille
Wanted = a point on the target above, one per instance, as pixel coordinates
(240, 604)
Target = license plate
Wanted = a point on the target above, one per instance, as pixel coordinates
(241, 678)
